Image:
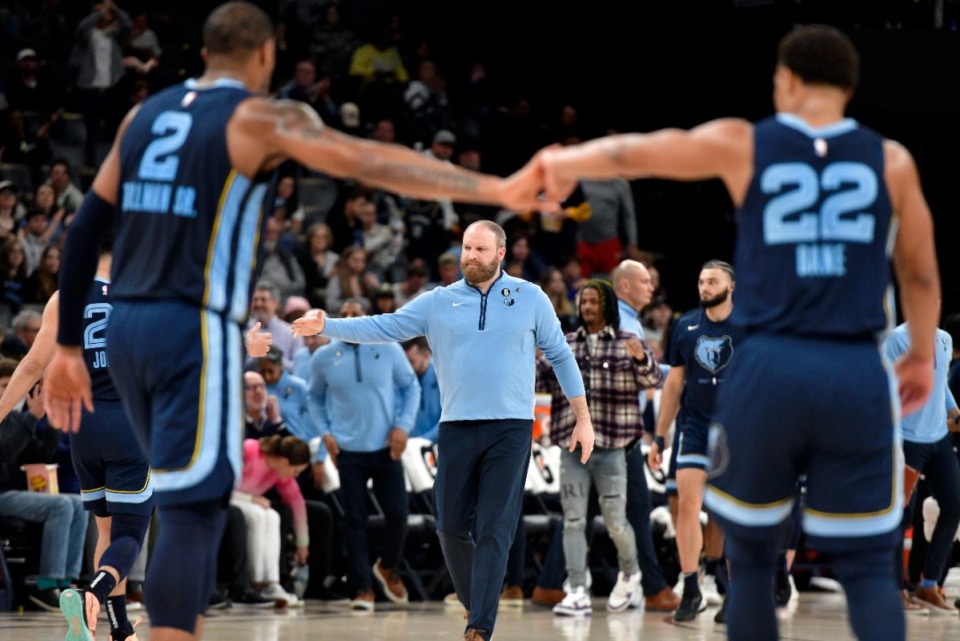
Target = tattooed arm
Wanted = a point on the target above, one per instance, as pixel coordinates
(275, 129)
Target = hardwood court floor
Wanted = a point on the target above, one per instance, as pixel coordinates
(816, 617)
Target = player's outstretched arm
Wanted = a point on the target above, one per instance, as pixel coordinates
(717, 149)
(914, 259)
(31, 368)
(280, 128)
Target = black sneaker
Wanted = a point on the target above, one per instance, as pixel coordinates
(49, 600)
(218, 601)
(691, 605)
(721, 615)
(250, 599)
(781, 588)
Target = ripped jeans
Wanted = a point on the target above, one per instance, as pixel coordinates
(608, 469)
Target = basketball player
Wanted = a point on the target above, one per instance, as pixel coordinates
(702, 345)
(115, 481)
(183, 187)
(822, 202)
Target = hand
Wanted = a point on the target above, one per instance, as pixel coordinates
(273, 409)
(319, 473)
(309, 324)
(556, 187)
(635, 348)
(302, 554)
(397, 440)
(68, 389)
(258, 344)
(35, 402)
(333, 449)
(583, 434)
(654, 457)
(522, 191)
(261, 501)
(916, 381)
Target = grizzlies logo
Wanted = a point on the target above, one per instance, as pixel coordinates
(714, 353)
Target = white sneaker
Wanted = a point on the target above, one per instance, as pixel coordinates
(275, 591)
(708, 588)
(575, 604)
(568, 588)
(622, 594)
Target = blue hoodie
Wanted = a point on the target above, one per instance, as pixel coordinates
(484, 345)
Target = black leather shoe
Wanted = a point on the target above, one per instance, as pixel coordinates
(691, 605)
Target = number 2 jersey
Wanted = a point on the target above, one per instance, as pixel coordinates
(187, 222)
(815, 232)
(96, 316)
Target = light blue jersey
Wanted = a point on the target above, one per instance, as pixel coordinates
(929, 423)
(484, 345)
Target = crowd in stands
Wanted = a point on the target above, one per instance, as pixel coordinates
(67, 78)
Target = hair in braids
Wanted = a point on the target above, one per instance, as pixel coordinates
(608, 302)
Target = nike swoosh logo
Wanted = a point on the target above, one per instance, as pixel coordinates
(457, 304)
(692, 327)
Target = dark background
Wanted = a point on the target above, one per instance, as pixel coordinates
(640, 65)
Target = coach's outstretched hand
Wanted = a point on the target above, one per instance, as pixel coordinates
(67, 389)
(309, 324)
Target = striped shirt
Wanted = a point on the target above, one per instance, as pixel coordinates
(613, 379)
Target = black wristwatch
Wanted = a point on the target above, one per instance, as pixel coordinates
(661, 446)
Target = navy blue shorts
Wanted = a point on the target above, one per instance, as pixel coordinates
(178, 369)
(825, 408)
(691, 447)
(112, 468)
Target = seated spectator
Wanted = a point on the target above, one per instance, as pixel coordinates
(279, 266)
(449, 269)
(33, 234)
(311, 87)
(415, 283)
(382, 244)
(318, 262)
(13, 270)
(26, 438)
(45, 200)
(352, 279)
(555, 288)
(384, 300)
(11, 210)
(295, 307)
(272, 462)
(519, 251)
(69, 195)
(263, 310)
(42, 283)
(263, 417)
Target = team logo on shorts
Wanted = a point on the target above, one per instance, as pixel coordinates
(713, 353)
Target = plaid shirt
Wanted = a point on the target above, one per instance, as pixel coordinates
(613, 380)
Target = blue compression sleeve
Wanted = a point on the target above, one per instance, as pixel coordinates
(80, 265)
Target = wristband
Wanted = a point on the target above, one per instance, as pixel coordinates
(660, 443)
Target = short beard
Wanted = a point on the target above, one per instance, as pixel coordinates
(716, 300)
(476, 274)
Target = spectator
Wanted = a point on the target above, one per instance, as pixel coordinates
(69, 196)
(263, 417)
(11, 211)
(263, 310)
(318, 262)
(553, 285)
(333, 43)
(384, 300)
(62, 515)
(311, 87)
(142, 49)
(352, 280)
(35, 106)
(33, 235)
(414, 284)
(13, 266)
(272, 462)
(42, 283)
(449, 269)
(25, 325)
(45, 200)
(279, 266)
(290, 393)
